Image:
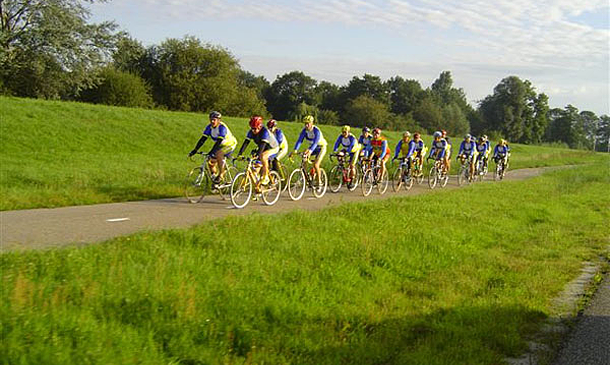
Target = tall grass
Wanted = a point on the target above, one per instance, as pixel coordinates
(61, 153)
(451, 277)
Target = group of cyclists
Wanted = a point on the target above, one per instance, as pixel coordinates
(272, 146)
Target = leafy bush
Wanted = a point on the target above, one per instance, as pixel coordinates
(119, 88)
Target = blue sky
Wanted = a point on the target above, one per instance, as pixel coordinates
(562, 46)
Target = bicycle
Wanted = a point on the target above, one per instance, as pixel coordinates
(402, 176)
(437, 175)
(501, 166)
(480, 170)
(199, 180)
(281, 170)
(302, 178)
(340, 174)
(249, 181)
(417, 173)
(464, 175)
(371, 179)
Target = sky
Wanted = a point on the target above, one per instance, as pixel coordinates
(561, 46)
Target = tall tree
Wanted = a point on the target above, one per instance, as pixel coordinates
(367, 85)
(405, 95)
(48, 49)
(288, 92)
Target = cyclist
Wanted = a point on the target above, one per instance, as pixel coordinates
(283, 142)
(482, 151)
(439, 149)
(488, 151)
(379, 150)
(350, 146)
(420, 150)
(224, 145)
(266, 142)
(468, 151)
(406, 148)
(501, 153)
(365, 141)
(447, 160)
(318, 144)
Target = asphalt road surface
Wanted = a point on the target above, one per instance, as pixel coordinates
(58, 227)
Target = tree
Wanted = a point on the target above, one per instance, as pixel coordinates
(590, 125)
(47, 48)
(129, 55)
(603, 134)
(429, 115)
(405, 95)
(368, 85)
(329, 95)
(119, 88)
(251, 81)
(566, 126)
(365, 110)
(287, 93)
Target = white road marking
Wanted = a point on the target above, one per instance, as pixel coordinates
(117, 220)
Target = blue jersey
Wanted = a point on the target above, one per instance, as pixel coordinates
(439, 147)
(419, 146)
(348, 143)
(314, 136)
(467, 148)
(407, 148)
(262, 137)
(481, 148)
(501, 150)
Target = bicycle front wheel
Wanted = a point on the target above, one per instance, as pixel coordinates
(224, 188)
(271, 192)
(432, 178)
(384, 181)
(296, 184)
(397, 180)
(443, 179)
(408, 180)
(462, 176)
(336, 179)
(319, 187)
(353, 184)
(196, 185)
(241, 190)
(367, 182)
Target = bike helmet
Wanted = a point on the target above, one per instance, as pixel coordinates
(485, 137)
(308, 119)
(256, 122)
(437, 134)
(271, 123)
(345, 128)
(468, 136)
(481, 139)
(366, 130)
(215, 115)
(406, 134)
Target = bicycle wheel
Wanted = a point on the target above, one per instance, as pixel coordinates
(353, 184)
(271, 192)
(383, 183)
(296, 184)
(462, 176)
(408, 180)
(498, 173)
(367, 182)
(283, 177)
(419, 177)
(319, 190)
(196, 185)
(241, 190)
(432, 178)
(336, 179)
(397, 180)
(224, 188)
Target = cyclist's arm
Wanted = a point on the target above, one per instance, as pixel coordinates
(384, 149)
(397, 150)
(217, 145)
(279, 136)
(199, 144)
(411, 149)
(352, 144)
(297, 145)
(244, 146)
(337, 142)
(461, 148)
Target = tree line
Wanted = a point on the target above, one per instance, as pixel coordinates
(49, 49)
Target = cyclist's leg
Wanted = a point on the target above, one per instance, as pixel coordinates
(319, 152)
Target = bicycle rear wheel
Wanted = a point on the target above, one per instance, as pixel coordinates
(224, 188)
(353, 184)
(462, 176)
(319, 189)
(196, 185)
(408, 180)
(271, 192)
(498, 172)
(397, 180)
(432, 178)
(336, 179)
(241, 190)
(443, 179)
(296, 184)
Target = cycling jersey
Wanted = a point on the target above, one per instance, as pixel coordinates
(349, 143)
(406, 149)
(501, 151)
(488, 151)
(314, 136)
(263, 137)
(281, 139)
(482, 149)
(220, 132)
(439, 148)
(467, 148)
(379, 147)
(365, 142)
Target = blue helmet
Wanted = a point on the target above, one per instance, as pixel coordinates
(366, 130)
(437, 134)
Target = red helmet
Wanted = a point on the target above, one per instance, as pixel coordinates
(256, 122)
(271, 123)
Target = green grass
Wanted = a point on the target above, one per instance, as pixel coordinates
(61, 153)
(451, 277)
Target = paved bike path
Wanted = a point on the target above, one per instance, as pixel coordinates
(57, 227)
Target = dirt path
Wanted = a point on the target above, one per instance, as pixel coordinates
(44, 228)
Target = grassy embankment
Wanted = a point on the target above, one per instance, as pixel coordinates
(451, 277)
(60, 153)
